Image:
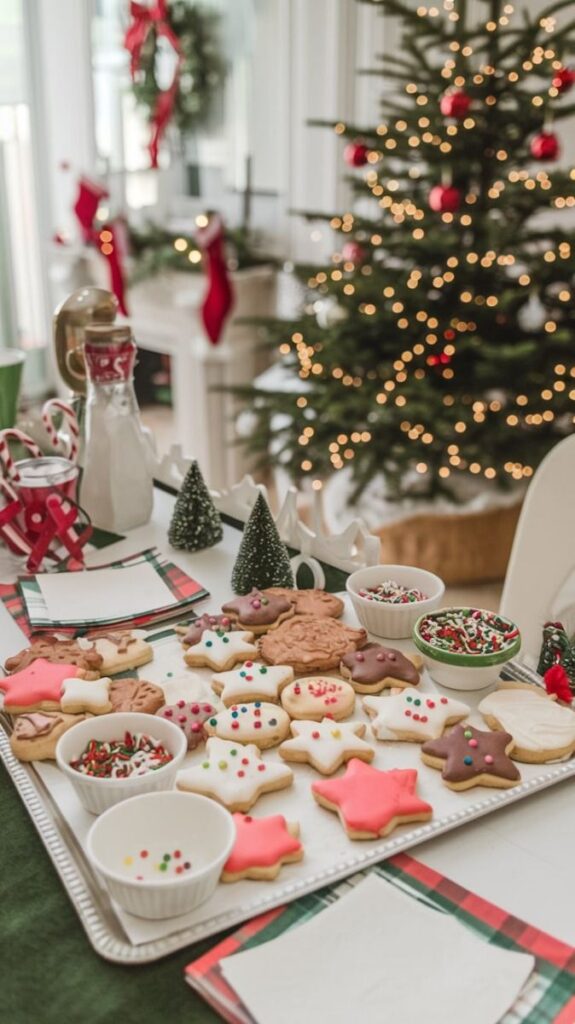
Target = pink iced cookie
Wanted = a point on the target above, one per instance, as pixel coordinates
(190, 718)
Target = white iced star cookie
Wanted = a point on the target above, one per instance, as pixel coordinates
(252, 681)
(326, 745)
(261, 723)
(187, 686)
(79, 695)
(221, 650)
(412, 715)
(234, 775)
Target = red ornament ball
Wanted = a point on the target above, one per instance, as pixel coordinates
(563, 79)
(353, 252)
(444, 199)
(455, 104)
(355, 153)
(544, 146)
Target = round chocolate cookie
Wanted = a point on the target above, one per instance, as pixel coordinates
(375, 668)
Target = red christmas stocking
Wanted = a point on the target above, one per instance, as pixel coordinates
(86, 205)
(219, 297)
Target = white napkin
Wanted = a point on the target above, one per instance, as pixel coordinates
(104, 594)
(379, 957)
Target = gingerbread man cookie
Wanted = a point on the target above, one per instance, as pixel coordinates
(470, 757)
(261, 723)
(375, 667)
(318, 697)
(262, 846)
(190, 718)
(234, 775)
(221, 650)
(311, 602)
(193, 633)
(36, 734)
(542, 730)
(37, 687)
(252, 681)
(258, 611)
(412, 715)
(371, 803)
(326, 745)
(310, 644)
(58, 652)
(135, 695)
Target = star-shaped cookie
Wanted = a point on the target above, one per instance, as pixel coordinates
(259, 611)
(91, 695)
(252, 681)
(221, 650)
(371, 803)
(262, 845)
(326, 745)
(470, 757)
(58, 652)
(37, 687)
(234, 775)
(193, 633)
(412, 715)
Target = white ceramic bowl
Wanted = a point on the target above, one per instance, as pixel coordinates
(175, 829)
(393, 621)
(464, 671)
(98, 795)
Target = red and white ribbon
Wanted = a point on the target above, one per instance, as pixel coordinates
(8, 464)
(68, 447)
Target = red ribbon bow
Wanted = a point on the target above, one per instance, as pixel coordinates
(144, 19)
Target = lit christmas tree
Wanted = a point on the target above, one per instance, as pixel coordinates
(437, 347)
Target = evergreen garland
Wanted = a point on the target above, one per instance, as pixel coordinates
(196, 522)
(262, 560)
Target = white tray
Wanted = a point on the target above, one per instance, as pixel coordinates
(329, 854)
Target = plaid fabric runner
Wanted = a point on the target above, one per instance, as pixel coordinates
(547, 998)
(26, 605)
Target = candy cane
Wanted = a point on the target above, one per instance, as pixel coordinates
(48, 409)
(5, 456)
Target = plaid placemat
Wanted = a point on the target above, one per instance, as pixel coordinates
(548, 997)
(26, 605)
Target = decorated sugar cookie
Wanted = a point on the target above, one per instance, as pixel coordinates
(252, 681)
(233, 774)
(261, 723)
(92, 695)
(188, 686)
(412, 715)
(311, 602)
(221, 650)
(375, 668)
(135, 695)
(193, 633)
(326, 745)
(317, 697)
(190, 718)
(371, 803)
(36, 687)
(58, 652)
(469, 757)
(542, 730)
(310, 644)
(262, 846)
(121, 651)
(36, 734)
(259, 611)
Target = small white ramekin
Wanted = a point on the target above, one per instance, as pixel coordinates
(393, 621)
(201, 829)
(97, 795)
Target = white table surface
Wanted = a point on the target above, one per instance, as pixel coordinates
(520, 858)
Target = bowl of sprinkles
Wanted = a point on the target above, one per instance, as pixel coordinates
(113, 757)
(161, 854)
(389, 599)
(464, 648)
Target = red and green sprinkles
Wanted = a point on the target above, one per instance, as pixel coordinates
(391, 592)
(135, 754)
(467, 631)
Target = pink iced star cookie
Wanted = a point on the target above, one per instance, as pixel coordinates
(262, 845)
(37, 687)
(234, 775)
(371, 803)
(412, 715)
(326, 745)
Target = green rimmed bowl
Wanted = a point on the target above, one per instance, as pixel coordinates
(464, 671)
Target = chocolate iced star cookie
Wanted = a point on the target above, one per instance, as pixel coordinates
(57, 652)
(375, 668)
(193, 633)
(310, 602)
(258, 611)
(468, 757)
(310, 644)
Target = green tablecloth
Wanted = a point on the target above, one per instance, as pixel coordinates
(50, 973)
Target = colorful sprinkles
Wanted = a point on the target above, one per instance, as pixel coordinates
(167, 864)
(468, 631)
(391, 592)
(135, 754)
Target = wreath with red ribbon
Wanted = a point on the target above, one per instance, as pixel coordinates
(198, 69)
